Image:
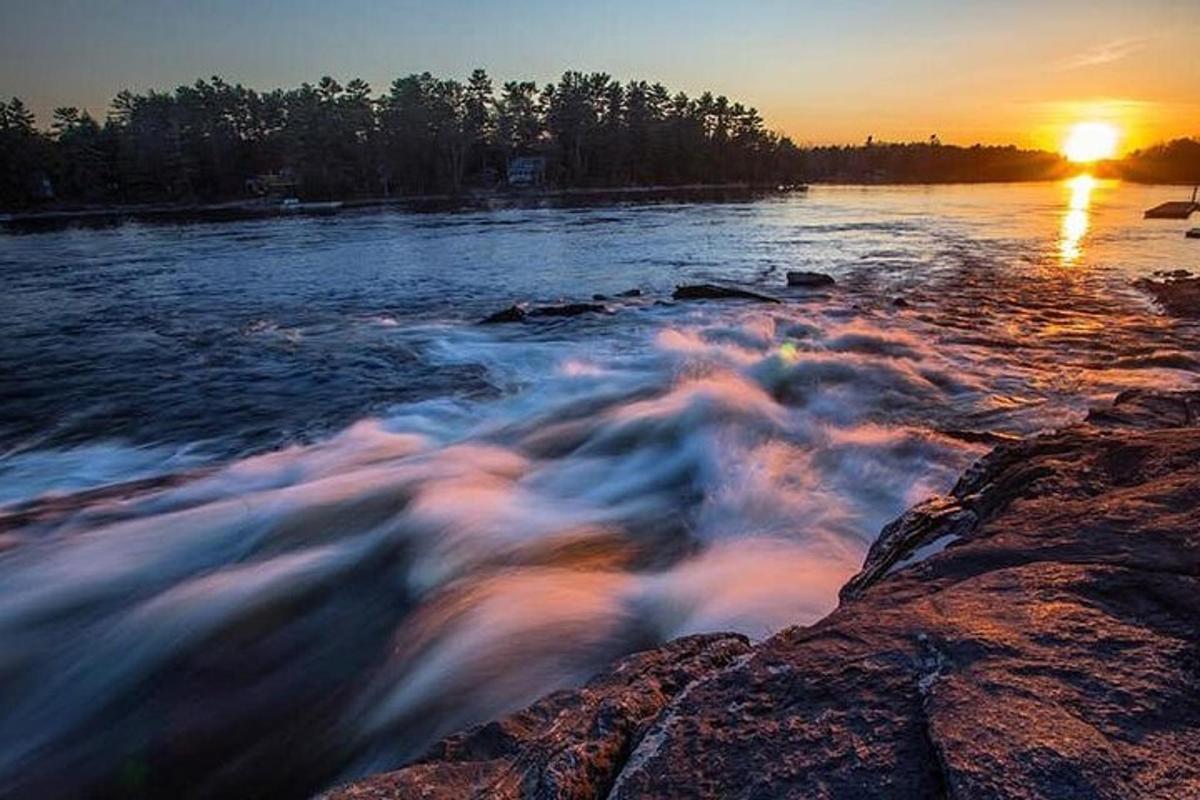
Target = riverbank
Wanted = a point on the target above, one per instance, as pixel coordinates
(1029, 635)
(235, 210)
(472, 200)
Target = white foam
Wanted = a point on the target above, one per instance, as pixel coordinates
(708, 468)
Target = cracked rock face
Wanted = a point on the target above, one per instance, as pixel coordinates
(1034, 634)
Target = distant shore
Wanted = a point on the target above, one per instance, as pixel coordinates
(234, 210)
(479, 199)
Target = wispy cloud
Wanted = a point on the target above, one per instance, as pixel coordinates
(1104, 53)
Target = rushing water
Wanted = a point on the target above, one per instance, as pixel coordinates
(275, 513)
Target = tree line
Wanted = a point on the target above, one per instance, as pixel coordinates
(426, 135)
(1176, 161)
(931, 161)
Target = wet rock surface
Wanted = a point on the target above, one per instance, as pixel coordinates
(1035, 633)
(520, 313)
(712, 291)
(567, 310)
(510, 314)
(810, 280)
(1177, 292)
(569, 744)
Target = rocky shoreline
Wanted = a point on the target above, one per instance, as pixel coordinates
(1035, 633)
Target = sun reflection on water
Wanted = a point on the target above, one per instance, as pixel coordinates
(1075, 222)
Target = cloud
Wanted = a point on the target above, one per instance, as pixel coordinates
(1104, 53)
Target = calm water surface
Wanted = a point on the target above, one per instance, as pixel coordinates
(363, 521)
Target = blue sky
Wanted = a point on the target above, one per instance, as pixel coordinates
(821, 71)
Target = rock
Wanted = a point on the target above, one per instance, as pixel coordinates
(567, 310)
(900, 302)
(1148, 409)
(711, 291)
(809, 280)
(1178, 294)
(599, 298)
(520, 314)
(569, 744)
(1031, 634)
(992, 438)
(510, 314)
(921, 525)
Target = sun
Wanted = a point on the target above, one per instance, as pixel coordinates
(1091, 141)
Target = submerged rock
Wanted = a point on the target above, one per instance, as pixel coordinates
(809, 280)
(711, 291)
(625, 295)
(568, 310)
(510, 314)
(1032, 634)
(520, 314)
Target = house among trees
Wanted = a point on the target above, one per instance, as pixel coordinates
(526, 171)
(273, 184)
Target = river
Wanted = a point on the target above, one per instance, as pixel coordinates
(275, 512)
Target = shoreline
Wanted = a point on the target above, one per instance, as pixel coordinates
(241, 210)
(236, 210)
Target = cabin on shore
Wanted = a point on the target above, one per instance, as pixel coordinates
(273, 184)
(526, 171)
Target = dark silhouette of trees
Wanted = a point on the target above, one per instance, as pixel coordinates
(213, 141)
(27, 157)
(83, 154)
(480, 121)
(932, 162)
(430, 131)
(425, 135)
(1177, 161)
(518, 119)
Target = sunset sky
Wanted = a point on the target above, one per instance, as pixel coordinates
(1018, 71)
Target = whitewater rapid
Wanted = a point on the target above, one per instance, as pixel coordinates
(418, 572)
(274, 623)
